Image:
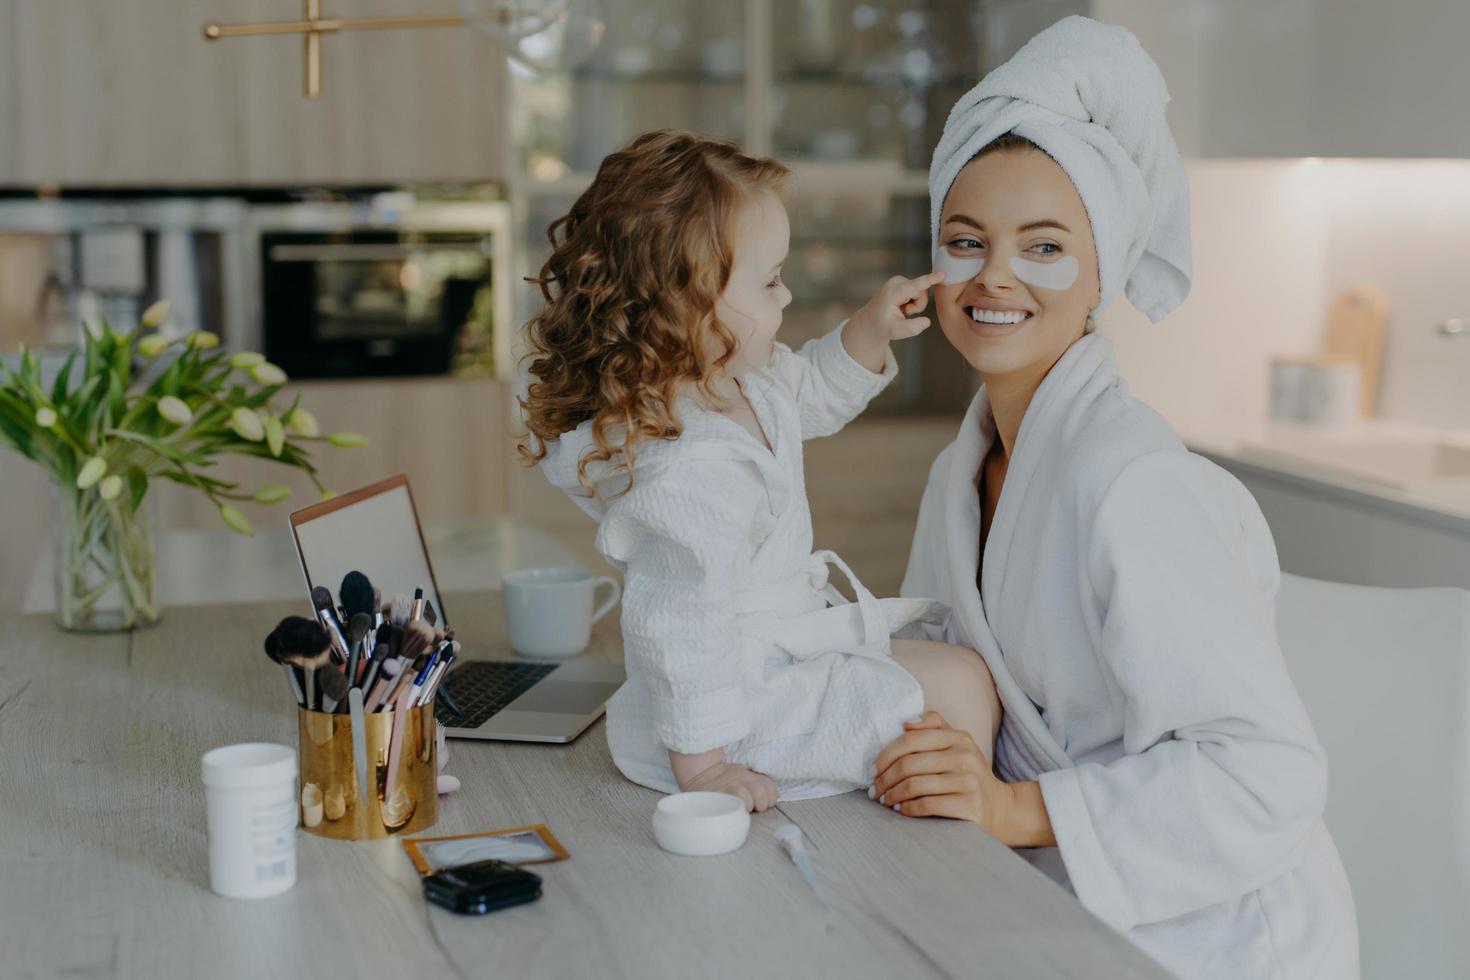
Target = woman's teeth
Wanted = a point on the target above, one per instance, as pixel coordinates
(997, 316)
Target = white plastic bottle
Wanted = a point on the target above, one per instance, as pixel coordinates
(250, 790)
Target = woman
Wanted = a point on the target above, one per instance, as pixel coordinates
(1153, 753)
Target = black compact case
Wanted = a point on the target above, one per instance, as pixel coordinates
(481, 887)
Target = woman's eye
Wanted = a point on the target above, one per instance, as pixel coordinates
(1046, 248)
(965, 244)
(777, 281)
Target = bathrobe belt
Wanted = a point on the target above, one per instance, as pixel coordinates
(805, 616)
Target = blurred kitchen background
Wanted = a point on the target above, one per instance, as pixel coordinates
(373, 240)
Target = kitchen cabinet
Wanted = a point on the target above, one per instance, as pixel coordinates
(131, 94)
(1309, 78)
(450, 435)
(1327, 532)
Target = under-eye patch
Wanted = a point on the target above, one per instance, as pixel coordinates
(957, 268)
(1056, 275)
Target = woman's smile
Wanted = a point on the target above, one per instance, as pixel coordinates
(990, 318)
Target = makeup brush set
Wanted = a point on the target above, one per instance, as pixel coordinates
(365, 673)
(364, 650)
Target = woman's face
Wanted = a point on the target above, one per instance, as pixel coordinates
(755, 296)
(1018, 213)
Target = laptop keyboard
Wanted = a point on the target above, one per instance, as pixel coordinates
(483, 687)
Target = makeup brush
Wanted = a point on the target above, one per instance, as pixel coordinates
(326, 614)
(273, 650)
(422, 677)
(404, 679)
(443, 645)
(334, 689)
(356, 594)
(357, 631)
(392, 667)
(418, 636)
(380, 653)
(399, 609)
(430, 616)
(392, 636)
(305, 644)
(426, 694)
(416, 611)
(377, 607)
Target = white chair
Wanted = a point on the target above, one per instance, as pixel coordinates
(1385, 675)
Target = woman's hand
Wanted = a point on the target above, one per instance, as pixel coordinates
(933, 770)
(757, 789)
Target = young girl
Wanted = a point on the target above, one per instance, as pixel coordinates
(663, 405)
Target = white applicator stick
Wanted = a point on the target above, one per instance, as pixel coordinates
(790, 837)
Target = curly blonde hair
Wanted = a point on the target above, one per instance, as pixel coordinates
(635, 270)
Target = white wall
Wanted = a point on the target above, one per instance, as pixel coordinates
(1404, 225)
(1274, 240)
(1259, 289)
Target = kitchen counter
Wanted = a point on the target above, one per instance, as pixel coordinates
(1444, 503)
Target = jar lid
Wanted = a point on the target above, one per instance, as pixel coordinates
(248, 765)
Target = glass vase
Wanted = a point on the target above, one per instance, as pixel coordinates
(103, 553)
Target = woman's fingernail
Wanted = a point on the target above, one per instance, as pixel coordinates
(914, 720)
(880, 799)
(872, 771)
(897, 805)
(872, 792)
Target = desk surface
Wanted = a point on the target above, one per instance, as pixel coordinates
(102, 848)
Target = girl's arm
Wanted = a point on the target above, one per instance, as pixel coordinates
(834, 377)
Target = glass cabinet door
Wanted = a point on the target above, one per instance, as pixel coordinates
(660, 64)
(869, 79)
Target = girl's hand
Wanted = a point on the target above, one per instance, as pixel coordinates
(886, 316)
(757, 789)
(933, 770)
(887, 313)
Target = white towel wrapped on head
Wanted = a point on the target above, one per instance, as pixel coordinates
(1093, 100)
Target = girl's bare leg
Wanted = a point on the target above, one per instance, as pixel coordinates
(958, 685)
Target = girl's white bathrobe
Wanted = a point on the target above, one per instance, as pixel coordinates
(1126, 610)
(732, 635)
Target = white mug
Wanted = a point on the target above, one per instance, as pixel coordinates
(549, 610)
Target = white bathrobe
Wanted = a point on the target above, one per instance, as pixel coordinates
(1126, 611)
(732, 635)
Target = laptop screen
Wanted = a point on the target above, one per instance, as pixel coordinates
(374, 530)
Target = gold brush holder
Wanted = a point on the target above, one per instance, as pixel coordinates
(329, 776)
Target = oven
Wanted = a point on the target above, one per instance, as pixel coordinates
(387, 286)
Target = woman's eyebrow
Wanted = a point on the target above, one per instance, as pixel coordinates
(781, 263)
(1045, 223)
(965, 219)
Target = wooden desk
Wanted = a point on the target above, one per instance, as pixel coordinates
(103, 867)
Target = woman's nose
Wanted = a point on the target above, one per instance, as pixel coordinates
(996, 274)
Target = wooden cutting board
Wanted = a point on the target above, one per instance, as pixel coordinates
(1356, 326)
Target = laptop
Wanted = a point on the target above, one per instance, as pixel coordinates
(376, 530)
